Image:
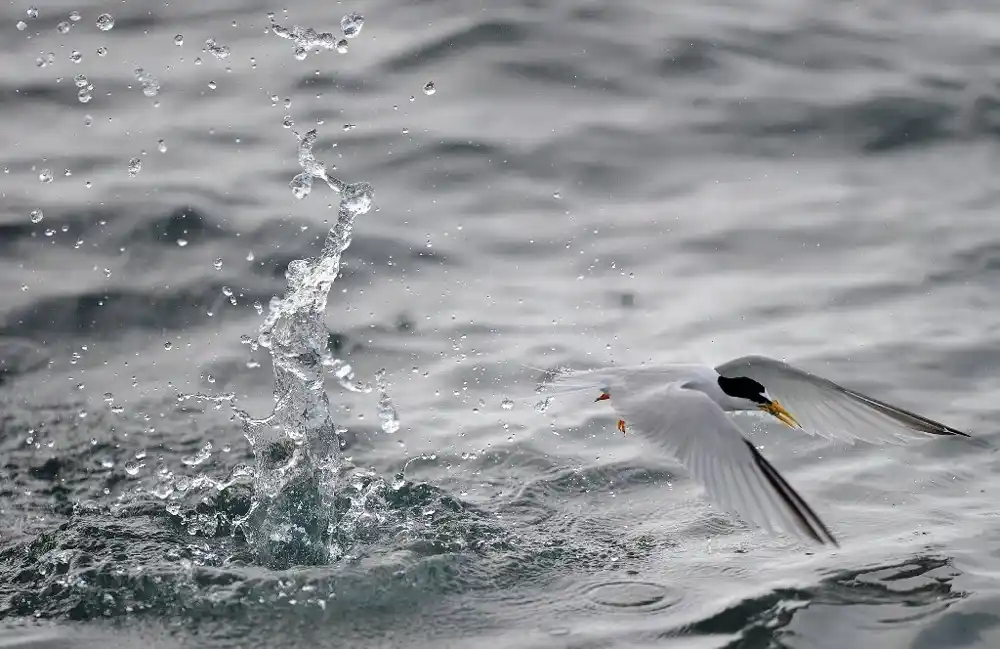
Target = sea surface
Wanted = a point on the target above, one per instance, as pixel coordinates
(589, 183)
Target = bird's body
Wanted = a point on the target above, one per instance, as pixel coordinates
(682, 408)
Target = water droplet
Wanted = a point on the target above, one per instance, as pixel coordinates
(75, 16)
(134, 167)
(198, 458)
(168, 346)
(306, 39)
(81, 81)
(288, 122)
(556, 195)
(386, 411)
(429, 88)
(132, 468)
(105, 22)
(179, 40)
(150, 86)
(117, 409)
(341, 46)
(212, 85)
(218, 263)
(301, 185)
(64, 27)
(507, 404)
(351, 24)
(220, 51)
(21, 25)
(543, 405)
(45, 176)
(102, 51)
(36, 216)
(182, 242)
(161, 146)
(357, 198)
(45, 60)
(32, 12)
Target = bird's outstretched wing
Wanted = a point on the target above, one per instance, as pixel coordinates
(694, 429)
(824, 408)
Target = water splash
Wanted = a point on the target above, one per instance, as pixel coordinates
(386, 411)
(304, 504)
(297, 448)
(307, 39)
(150, 86)
(85, 88)
(200, 457)
(351, 24)
(217, 49)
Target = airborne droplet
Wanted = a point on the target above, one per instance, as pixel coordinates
(543, 405)
(150, 86)
(351, 24)
(220, 51)
(105, 22)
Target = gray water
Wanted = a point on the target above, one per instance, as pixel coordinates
(589, 183)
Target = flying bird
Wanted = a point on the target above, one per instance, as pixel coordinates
(683, 408)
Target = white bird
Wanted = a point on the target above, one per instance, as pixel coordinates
(683, 409)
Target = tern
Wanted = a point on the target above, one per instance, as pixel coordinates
(682, 408)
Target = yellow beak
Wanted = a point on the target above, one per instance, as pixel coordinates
(778, 411)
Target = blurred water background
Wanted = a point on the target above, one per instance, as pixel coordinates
(556, 183)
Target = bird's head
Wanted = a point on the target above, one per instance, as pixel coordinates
(743, 388)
